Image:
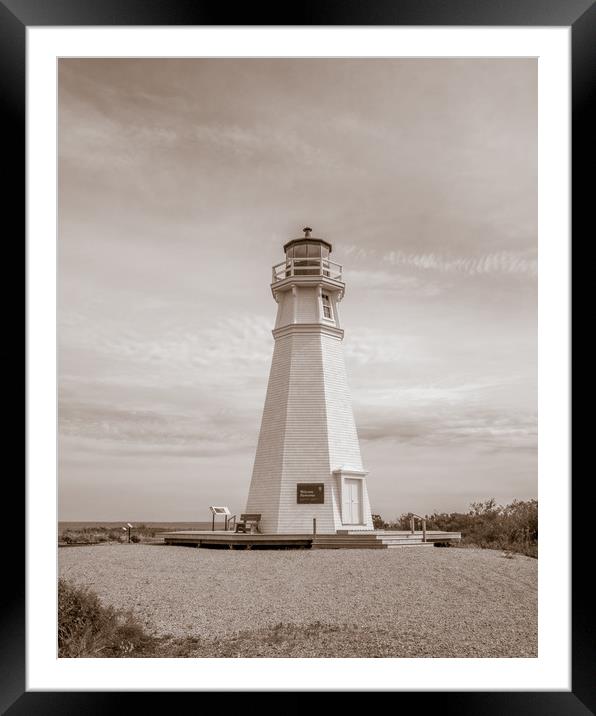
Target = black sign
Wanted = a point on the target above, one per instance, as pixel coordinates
(310, 493)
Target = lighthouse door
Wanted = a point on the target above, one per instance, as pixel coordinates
(352, 501)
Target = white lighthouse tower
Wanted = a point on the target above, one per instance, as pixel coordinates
(307, 464)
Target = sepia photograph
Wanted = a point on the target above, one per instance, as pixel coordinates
(297, 366)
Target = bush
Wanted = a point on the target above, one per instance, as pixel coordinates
(512, 527)
(102, 534)
(378, 522)
(86, 628)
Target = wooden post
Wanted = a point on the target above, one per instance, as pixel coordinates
(213, 523)
(314, 525)
(412, 524)
(424, 530)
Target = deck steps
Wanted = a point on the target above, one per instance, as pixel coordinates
(353, 545)
(367, 540)
(378, 539)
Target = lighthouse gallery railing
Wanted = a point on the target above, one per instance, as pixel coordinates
(306, 267)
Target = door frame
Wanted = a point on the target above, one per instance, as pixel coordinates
(345, 473)
(358, 483)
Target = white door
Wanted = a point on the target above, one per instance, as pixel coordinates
(352, 500)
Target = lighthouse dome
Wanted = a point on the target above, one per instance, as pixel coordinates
(309, 242)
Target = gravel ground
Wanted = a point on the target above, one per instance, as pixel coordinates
(409, 602)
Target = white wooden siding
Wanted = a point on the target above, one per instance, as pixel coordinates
(307, 428)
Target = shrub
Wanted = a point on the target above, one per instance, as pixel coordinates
(87, 628)
(378, 522)
(135, 538)
(511, 527)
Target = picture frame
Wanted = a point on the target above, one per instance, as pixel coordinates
(17, 15)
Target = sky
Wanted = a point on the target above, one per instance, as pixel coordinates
(179, 183)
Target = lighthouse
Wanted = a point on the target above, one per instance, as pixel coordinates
(308, 464)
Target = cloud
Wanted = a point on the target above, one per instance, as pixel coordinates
(95, 140)
(487, 428)
(365, 346)
(473, 413)
(392, 282)
(212, 430)
(506, 262)
(263, 141)
(501, 262)
(236, 345)
(432, 394)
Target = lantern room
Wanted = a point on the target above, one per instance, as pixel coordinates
(307, 256)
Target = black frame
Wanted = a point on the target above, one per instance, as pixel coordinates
(580, 15)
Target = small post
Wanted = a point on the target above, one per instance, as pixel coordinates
(423, 530)
(314, 525)
(129, 534)
(213, 522)
(412, 524)
(226, 523)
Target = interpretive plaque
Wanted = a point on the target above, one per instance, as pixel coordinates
(310, 493)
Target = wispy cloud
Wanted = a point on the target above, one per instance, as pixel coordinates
(487, 428)
(391, 282)
(451, 412)
(96, 139)
(264, 141)
(364, 346)
(500, 262)
(177, 348)
(102, 428)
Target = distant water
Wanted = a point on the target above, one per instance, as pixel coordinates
(65, 526)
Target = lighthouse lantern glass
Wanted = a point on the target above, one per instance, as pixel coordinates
(306, 258)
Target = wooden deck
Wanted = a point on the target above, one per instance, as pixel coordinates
(379, 539)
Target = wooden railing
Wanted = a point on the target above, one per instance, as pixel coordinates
(306, 267)
(413, 519)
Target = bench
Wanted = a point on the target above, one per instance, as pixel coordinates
(248, 523)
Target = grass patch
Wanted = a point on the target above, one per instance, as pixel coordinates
(87, 628)
(99, 535)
